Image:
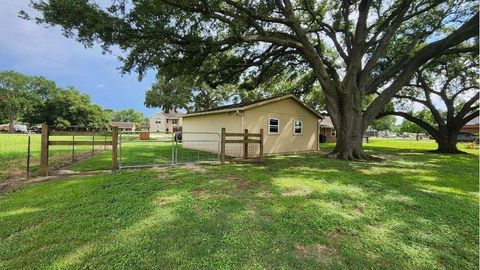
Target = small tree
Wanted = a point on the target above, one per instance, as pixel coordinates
(447, 81)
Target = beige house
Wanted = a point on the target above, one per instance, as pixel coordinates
(165, 122)
(289, 125)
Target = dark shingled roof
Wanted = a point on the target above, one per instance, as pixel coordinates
(236, 105)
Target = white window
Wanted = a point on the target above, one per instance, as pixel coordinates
(273, 125)
(334, 132)
(158, 121)
(174, 121)
(297, 127)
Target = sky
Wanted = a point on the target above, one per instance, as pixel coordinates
(35, 50)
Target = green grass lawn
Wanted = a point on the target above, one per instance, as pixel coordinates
(425, 144)
(13, 153)
(413, 210)
(145, 153)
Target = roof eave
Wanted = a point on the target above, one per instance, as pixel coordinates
(259, 104)
(214, 112)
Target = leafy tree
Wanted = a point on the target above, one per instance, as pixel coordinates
(19, 93)
(128, 115)
(180, 92)
(451, 81)
(64, 108)
(352, 49)
(384, 123)
(410, 127)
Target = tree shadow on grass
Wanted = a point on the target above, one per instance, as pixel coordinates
(297, 212)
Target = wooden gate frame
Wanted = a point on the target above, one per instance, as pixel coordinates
(245, 141)
(46, 142)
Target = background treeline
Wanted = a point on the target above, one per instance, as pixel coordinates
(34, 100)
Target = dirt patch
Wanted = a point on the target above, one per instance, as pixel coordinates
(265, 194)
(296, 192)
(195, 168)
(242, 184)
(321, 253)
(166, 200)
(200, 193)
(334, 235)
(302, 251)
(360, 208)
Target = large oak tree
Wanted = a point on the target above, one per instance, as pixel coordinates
(448, 88)
(345, 46)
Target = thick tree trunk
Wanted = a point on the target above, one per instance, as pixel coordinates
(349, 136)
(448, 144)
(11, 126)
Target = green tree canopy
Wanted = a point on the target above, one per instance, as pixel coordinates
(128, 115)
(384, 123)
(410, 127)
(64, 108)
(352, 49)
(19, 93)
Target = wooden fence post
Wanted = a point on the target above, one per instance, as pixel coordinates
(261, 144)
(114, 148)
(222, 147)
(44, 151)
(245, 144)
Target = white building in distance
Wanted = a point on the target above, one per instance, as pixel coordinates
(165, 122)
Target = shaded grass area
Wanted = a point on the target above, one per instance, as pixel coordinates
(414, 210)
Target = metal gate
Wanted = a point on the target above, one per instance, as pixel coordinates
(151, 149)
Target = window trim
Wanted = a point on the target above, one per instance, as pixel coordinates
(278, 125)
(333, 132)
(301, 127)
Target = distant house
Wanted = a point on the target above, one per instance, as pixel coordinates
(123, 126)
(165, 122)
(472, 126)
(327, 131)
(289, 125)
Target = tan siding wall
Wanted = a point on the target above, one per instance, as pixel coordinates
(286, 111)
(211, 123)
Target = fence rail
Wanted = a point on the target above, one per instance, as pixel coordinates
(245, 141)
(46, 142)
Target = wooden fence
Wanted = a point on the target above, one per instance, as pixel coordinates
(46, 142)
(245, 141)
